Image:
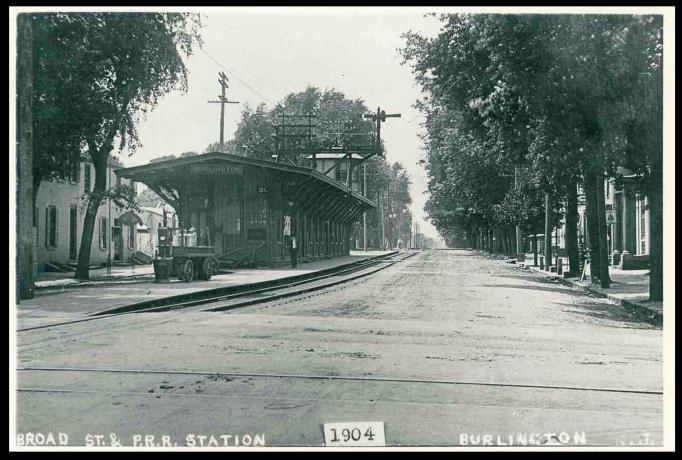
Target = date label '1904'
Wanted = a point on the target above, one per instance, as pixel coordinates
(354, 434)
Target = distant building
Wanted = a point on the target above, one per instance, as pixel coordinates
(59, 215)
(336, 165)
(152, 218)
(627, 220)
(629, 231)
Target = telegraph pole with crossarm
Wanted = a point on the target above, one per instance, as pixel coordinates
(222, 101)
(379, 118)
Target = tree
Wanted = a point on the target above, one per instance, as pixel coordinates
(558, 95)
(99, 73)
(254, 135)
(148, 198)
(338, 121)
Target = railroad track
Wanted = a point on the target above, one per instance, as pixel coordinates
(260, 293)
(326, 377)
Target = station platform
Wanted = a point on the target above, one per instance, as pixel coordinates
(69, 304)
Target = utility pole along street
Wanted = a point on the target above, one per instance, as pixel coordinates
(442, 347)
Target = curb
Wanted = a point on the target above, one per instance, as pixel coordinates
(640, 311)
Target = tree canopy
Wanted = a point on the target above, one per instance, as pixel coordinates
(95, 75)
(558, 100)
(338, 121)
(551, 93)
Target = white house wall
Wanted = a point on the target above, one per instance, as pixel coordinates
(63, 194)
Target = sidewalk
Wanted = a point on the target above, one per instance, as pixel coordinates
(629, 288)
(51, 280)
(67, 304)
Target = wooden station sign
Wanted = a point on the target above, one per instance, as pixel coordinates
(208, 169)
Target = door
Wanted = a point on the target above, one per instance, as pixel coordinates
(117, 236)
(73, 233)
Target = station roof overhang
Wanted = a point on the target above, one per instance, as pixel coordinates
(321, 189)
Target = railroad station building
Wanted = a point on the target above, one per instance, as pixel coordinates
(249, 209)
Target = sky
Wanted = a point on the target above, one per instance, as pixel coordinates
(269, 53)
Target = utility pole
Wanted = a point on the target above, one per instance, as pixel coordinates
(26, 232)
(294, 131)
(379, 118)
(109, 225)
(364, 214)
(383, 230)
(520, 251)
(222, 100)
(389, 203)
(416, 235)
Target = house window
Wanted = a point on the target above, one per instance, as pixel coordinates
(103, 233)
(342, 171)
(86, 177)
(51, 227)
(75, 169)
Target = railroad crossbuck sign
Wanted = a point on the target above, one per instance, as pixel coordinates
(354, 434)
(287, 225)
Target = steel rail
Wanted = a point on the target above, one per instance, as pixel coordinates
(334, 377)
(305, 290)
(361, 265)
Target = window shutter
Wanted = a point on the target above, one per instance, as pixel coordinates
(56, 227)
(47, 227)
(101, 229)
(86, 177)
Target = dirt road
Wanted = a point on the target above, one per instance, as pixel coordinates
(446, 348)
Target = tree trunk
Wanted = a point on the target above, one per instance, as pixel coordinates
(25, 282)
(591, 211)
(572, 230)
(94, 201)
(548, 231)
(602, 230)
(656, 230)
